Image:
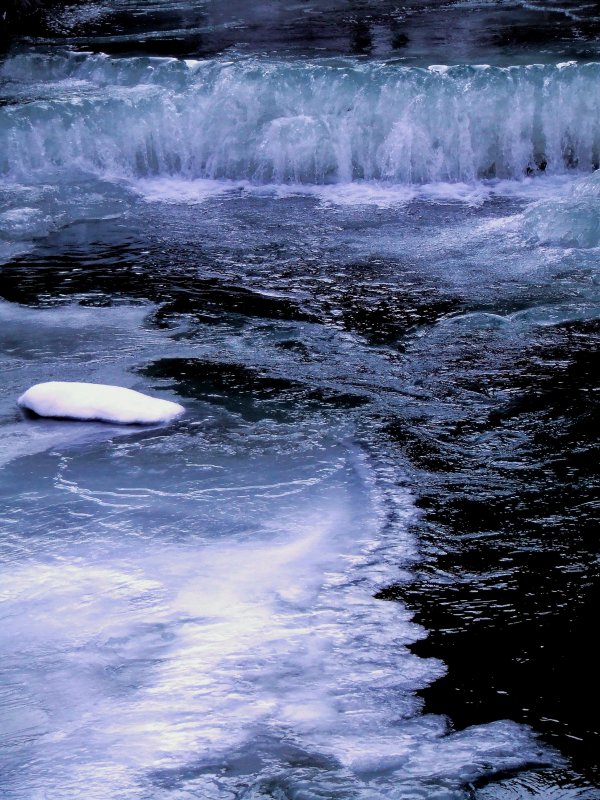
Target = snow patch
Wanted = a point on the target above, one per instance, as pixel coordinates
(97, 401)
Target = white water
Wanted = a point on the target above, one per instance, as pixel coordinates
(79, 132)
(278, 121)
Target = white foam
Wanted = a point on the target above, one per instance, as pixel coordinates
(97, 401)
(440, 69)
(351, 193)
(273, 121)
(180, 190)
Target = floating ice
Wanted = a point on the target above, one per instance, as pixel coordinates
(97, 401)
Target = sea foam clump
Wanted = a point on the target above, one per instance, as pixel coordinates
(97, 401)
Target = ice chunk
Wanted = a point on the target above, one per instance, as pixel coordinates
(97, 401)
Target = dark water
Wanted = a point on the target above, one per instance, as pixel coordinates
(364, 564)
(441, 32)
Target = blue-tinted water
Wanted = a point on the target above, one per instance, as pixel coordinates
(363, 564)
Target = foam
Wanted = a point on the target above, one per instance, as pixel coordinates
(283, 122)
(380, 194)
(569, 219)
(97, 401)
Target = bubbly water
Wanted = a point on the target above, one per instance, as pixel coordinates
(346, 269)
(282, 121)
(78, 130)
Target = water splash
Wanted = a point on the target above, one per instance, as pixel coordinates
(277, 121)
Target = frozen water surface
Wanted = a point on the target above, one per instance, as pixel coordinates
(190, 610)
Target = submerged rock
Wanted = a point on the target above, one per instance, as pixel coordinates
(97, 401)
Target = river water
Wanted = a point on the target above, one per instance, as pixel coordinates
(360, 246)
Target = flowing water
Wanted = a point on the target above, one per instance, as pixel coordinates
(361, 248)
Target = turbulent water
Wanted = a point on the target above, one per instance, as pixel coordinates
(364, 563)
(287, 121)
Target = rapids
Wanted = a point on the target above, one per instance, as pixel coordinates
(282, 121)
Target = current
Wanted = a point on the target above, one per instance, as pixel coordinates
(360, 247)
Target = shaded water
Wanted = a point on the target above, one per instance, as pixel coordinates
(374, 287)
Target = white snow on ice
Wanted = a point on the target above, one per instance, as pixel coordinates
(97, 401)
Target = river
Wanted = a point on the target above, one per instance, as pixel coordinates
(359, 243)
